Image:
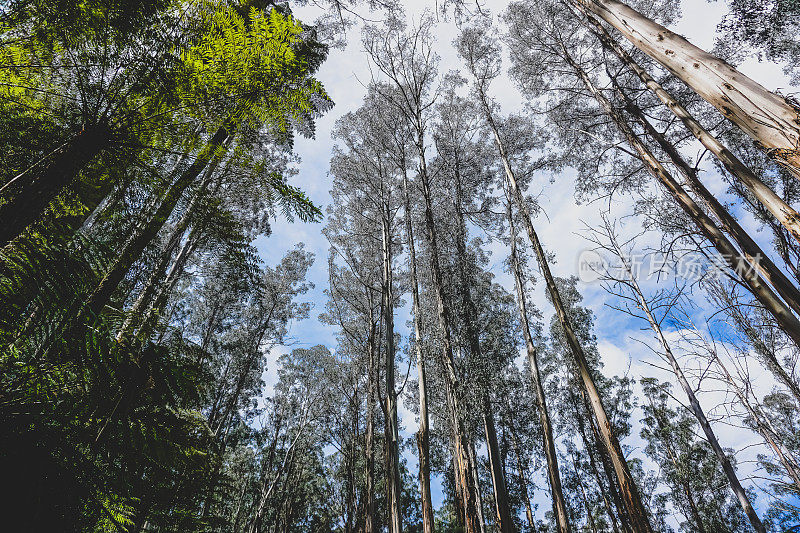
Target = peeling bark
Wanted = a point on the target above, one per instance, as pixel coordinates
(769, 119)
(783, 212)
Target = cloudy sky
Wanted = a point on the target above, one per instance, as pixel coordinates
(622, 341)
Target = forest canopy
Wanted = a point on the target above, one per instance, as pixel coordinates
(355, 267)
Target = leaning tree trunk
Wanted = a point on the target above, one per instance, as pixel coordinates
(559, 505)
(630, 492)
(392, 432)
(750, 249)
(463, 460)
(423, 435)
(771, 120)
(609, 473)
(27, 195)
(778, 309)
(476, 480)
(584, 497)
(503, 514)
(146, 296)
(523, 478)
(785, 214)
(135, 246)
(154, 313)
(267, 489)
(594, 445)
(694, 404)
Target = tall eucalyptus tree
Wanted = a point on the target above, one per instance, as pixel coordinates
(408, 61)
(367, 184)
(482, 57)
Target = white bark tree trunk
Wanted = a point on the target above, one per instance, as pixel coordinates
(783, 316)
(771, 120)
(783, 212)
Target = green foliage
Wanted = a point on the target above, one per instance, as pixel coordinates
(252, 67)
(109, 432)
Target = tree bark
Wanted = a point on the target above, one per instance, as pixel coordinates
(783, 212)
(29, 194)
(778, 309)
(392, 432)
(769, 119)
(557, 494)
(268, 488)
(423, 434)
(633, 503)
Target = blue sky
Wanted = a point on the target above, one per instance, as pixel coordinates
(622, 341)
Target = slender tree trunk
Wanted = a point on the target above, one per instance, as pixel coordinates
(237, 512)
(604, 492)
(778, 309)
(269, 487)
(698, 520)
(464, 462)
(523, 478)
(584, 497)
(458, 494)
(152, 315)
(694, 404)
(423, 434)
(765, 427)
(782, 211)
(694, 514)
(503, 514)
(633, 503)
(28, 194)
(594, 445)
(752, 251)
(476, 480)
(392, 431)
(149, 291)
(771, 120)
(369, 522)
(557, 494)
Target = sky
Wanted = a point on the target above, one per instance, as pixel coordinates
(624, 345)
